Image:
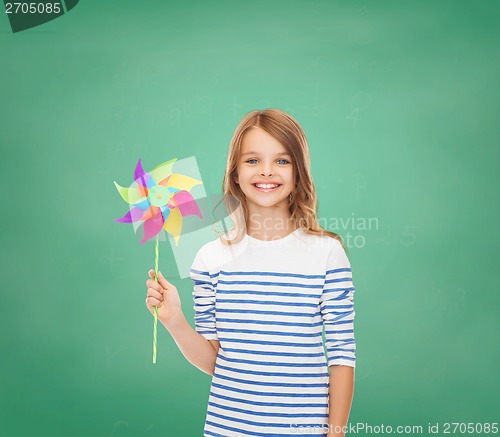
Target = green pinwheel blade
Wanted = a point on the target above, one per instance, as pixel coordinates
(162, 171)
(130, 195)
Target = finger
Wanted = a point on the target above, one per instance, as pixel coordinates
(151, 274)
(163, 282)
(151, 283)
(151, 301)
(152, 292)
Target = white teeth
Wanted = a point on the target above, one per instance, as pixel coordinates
(266, 186)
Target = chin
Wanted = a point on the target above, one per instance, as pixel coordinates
(268, 203)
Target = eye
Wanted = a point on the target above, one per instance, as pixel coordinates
(280, 161)
(286, 161)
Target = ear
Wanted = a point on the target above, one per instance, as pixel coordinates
(236, 179)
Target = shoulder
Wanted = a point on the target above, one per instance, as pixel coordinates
(206, 251)
(212, 248)
(319, 244)
(214, 254)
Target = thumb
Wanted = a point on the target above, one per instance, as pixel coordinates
(163, 282)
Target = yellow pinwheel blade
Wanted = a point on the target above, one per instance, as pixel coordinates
(130, 195)
(162, 171)
(173, 224)
(182, 182)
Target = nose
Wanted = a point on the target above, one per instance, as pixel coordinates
(264, 173)
(266, 170)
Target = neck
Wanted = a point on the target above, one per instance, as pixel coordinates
(269, 222)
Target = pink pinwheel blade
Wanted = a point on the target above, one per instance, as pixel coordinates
(134, 215)
(152, 227)
(186, 203)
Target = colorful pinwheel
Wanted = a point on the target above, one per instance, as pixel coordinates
(159, 200)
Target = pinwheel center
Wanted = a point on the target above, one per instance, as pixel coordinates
(159, 195)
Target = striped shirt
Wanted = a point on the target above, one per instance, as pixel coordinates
(267, 303)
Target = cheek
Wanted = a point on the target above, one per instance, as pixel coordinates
(244, 175)
(289, 176)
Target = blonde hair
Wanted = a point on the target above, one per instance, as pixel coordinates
(303, 203)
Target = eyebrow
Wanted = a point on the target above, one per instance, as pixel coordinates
(255, 153)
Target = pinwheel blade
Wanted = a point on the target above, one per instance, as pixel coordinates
(130, 195)
(143, 204)
(162, 171)
(152, 227)
(165, 210)
(151, 212)
(164, 182)
(173, 225)
(186, 204)
(151, 182)
(181, 182)
(140, 176)
(143, 191)
(134, 215)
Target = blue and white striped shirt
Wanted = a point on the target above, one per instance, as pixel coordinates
(267, 303)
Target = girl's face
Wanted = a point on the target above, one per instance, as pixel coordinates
(264, 160)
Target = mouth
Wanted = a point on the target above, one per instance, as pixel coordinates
(266, 188)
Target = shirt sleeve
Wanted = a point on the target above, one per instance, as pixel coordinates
(337, 309)
(204, 298)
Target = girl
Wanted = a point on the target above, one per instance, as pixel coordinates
(262, 294)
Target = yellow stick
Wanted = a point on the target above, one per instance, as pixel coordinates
(156, 309)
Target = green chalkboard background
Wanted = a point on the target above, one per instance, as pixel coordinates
(400, 103)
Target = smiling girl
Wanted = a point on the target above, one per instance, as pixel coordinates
(263, 293)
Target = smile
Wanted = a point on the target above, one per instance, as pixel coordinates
(266, 188)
